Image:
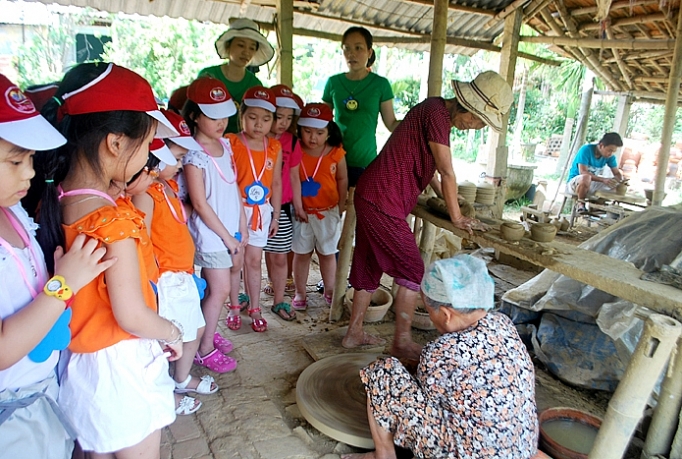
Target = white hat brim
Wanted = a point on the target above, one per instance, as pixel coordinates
(34, 133)
(260, 103)
(313, 123)
(187, 142)
(219, 110)
(164, 129)
(262, 56)
(165, 155)
(287, 102)
(469, 100)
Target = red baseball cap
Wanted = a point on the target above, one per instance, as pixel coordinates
(261, 97)
(178, 98)
(316, 116)
(212, 97)
(117, 88)
(159, 149)
(40, 94)
(285, 97)
(21, 124)
(185, 139)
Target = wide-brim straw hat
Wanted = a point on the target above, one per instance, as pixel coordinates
(246, 28)
(488, 96)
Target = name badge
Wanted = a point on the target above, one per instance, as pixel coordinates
(255, 194)
(310, 188)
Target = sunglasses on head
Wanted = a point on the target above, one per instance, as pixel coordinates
(151, 168)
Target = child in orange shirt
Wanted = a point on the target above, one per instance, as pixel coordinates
(259, 175)
(324, 185)
(115, 388)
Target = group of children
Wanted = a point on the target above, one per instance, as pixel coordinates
(120, 296)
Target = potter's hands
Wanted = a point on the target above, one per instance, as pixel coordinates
(469, 224)
(612, 183)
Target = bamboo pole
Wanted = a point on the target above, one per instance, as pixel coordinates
(628, 402)
(619, 62)
(645, 19)
(669, 117)
(533, 8)
(596, 43)
(285, 29)
(509, 9)
(456, 7)
(614, 6)
(343, 264)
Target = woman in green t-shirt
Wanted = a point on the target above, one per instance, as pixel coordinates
(243, 45)
(358, 97)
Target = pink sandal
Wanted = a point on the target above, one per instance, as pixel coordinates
(258, 325)
(216, 361)
(233, 322)
(223, 345)
(300, 305)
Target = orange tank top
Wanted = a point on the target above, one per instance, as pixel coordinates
(172, 242)
(93, 325)
(150, 264)
(328, 193)
(262, 161)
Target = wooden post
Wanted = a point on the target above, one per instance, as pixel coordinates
(285, 28)
(497, 155)
(669, 117)
(620, 123)
(343, 264)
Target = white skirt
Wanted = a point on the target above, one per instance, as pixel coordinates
(118, 396)
(179, 300)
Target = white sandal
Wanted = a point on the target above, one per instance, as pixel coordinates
(187, 406)
(203, 388)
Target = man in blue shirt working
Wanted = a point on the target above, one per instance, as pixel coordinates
(586, 175)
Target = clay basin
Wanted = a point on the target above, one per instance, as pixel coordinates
(543, 232)
(512, 231)
(380, 303)
(519, 180)
(566, 433)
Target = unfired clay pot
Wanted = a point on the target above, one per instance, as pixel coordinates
(381, 298)
(621, 189)
(543, 232)
(512, 231)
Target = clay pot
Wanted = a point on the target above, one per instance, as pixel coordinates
(542, 232)
(565, 224)
(552, 447)
(381, 298)
(512, 231)
(621, 189)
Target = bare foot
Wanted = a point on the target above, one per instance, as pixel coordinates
(369, 455)
(407, 351)
(353, 341)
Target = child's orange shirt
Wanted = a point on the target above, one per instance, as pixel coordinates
(245, 175)
(172, 242)
(328, 194)
(150, 264)
(93, 325)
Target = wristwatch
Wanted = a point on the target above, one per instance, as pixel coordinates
(57, 288)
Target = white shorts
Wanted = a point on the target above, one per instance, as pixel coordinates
(118, 396)
(572, 186)
(320, 234)
(179, 300)
(35, 430)
(259, 237)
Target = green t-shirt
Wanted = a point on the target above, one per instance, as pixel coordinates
(359, 127)
(236, 90)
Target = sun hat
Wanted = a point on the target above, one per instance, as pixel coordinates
(488, 96)
(462, 282)
(178, 98)
(316, 116)
(21, 124)
(159, 149)
(246, 28)
(285, 97)
(185, 139)
(261, 97)
(117, 88)
(40, 94)
(211, 95)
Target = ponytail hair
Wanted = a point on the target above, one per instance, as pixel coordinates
(84, 134)
(369, 41)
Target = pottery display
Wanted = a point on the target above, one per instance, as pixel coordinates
(380, 303)
(543, 232)
(512, 231)
(467, 190)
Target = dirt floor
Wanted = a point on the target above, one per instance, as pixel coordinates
(255, 416)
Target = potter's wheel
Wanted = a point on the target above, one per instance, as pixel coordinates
(332, 398)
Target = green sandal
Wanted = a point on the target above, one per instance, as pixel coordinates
(283, 310)
(244, 301)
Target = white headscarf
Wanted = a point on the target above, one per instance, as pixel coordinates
(462, 282)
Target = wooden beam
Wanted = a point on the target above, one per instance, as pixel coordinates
(285, 34)
(614, 6)
(533, 8)
(456, 7)
(355, 21)
(619, 22)
(509, 9)
(596, 43)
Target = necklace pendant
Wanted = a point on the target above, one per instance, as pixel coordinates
(351, 103)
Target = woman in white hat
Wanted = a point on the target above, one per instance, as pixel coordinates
(243, 45)
(387, 192)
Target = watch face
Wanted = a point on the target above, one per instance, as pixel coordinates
(54, 285)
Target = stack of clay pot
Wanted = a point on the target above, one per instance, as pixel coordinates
(543, 232)
(467, 190)
(485, 194)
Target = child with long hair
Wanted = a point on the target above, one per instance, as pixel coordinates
(33, 320)
(217, 223)
(279, 246)
(115, 389)
(324, 186)
(259, 174)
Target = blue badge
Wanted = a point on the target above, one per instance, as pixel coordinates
(256, 193)
(310, 188)
(57, 339)
(238, 236)
(201, 285)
